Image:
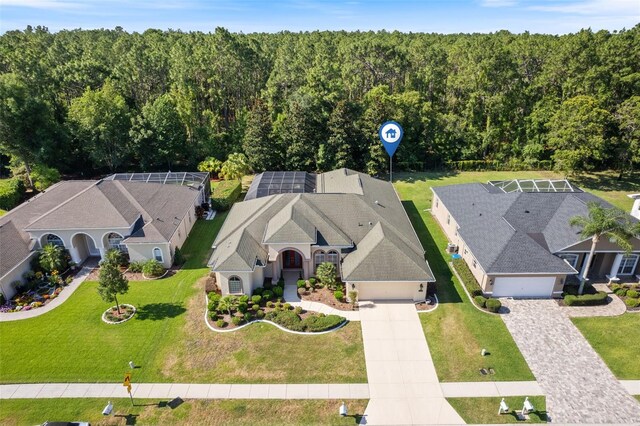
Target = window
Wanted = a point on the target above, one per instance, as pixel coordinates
(114, 241)
(466, 251)
(334, 258)
(628, 264)
(157, 255)
(448, 219)
(55, 240)
(318, 258)
(475, 264)
(235, 285)
(571, 258)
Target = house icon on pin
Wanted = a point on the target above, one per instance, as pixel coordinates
(391, 133)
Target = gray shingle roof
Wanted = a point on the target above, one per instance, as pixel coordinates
(516, 232)
(337, 218)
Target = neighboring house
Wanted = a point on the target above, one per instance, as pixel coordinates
(294, 221)
(516, 238)
(144, 215)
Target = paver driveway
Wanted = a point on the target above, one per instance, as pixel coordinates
(578, 385)
(403, 385)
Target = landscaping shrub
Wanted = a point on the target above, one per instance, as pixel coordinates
(255, 308)
(301, 283)
(316, 323)
(499, 165)
(615, 287)
(632, 294)
(600, 298)
(338, 295)
(270, 304)
(312, 281)
(242, 307)
(326, 273)
(298, 310)
(244, 298)
(152, 268)
(260, 314)
(11, 191)
(256, 299)
(225, 194)
(220, 323)
(214, 296)
(178, 257)
(236, 320)
(258, 291)
(480, 301)
(281, 282)
(278, 291)
(267, 295)
(468, 280)
(286, 306)
(248, 317)
(632, 302)
(620, 291)
(287, 319)
(493, 305)
(136, 266)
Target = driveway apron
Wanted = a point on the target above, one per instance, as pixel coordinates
(403, 384)
(579, 386)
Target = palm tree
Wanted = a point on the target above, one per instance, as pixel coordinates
(52, 258)
(227, 303)
(601, 222)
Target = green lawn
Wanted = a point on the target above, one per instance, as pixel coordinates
(191, 412)
(485, 410)
(456, 331)
(616, 341)
(168, 338)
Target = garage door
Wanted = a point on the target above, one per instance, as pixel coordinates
(523, 286)
(386, 290)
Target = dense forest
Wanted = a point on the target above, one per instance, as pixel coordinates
(87, 102)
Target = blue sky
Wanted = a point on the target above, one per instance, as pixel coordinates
(442, 16)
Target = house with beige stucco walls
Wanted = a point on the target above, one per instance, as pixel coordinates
(516, 238)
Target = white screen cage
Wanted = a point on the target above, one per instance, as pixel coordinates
(198, 180)
(535, 185)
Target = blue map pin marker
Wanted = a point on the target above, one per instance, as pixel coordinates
(390, 134)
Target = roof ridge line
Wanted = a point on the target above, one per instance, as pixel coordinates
(249, 220)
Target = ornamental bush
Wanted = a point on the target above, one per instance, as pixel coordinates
(301, 283)
(632, 302)
(244, 298)
(242, 307)
(480, 301)
(493, 305)
(312, 281)
(255, 308)
(136, 266)
(278, 291)
(221, 323)
(248, 317)
(620, 291)
(225, 194)
(267, 295)
(260, 314)
(468, 280)
(152, 268)
(316, 323)
(633, 294)
(298, 310)
(258, 291)
(256, 299)
(236, 320)
(599, 298)
(338, 295)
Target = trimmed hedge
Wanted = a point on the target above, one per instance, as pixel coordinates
(468, 280)
(480, 301)
(633, 294)
(225, 194)
(632, 302)
(313, 323)
(600, 298)
(11, 191)
(493, 305)
(499, 165)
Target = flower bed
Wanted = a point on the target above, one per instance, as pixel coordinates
(112, 316)
(37, 292)
(629, 293)
(473, 289)
(429, 304)
(229, 312)
(325, 296)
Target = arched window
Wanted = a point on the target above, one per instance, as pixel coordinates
(235, 285)
(157, 255)
(55, 240)
(318, 258)
(114, 241)
(334, 258)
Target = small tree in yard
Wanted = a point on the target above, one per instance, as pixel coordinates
(235, 167)
(227, 303)
(601, 222)
(111, 283)
(52, 258)
(211, 165)
(115, 257)
(326, 273)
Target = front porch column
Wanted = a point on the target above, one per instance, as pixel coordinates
(276, 270)
(75, 255)
(103, 252)
(616, 265)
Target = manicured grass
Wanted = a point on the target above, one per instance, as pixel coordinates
(485, 410)
(191, 412)
(2, 212)
(616, 341)
(169, 340)
(457, 331)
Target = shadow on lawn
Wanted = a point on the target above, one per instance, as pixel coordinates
(436, 256)
(608, 182)
(424, 176)
(159, 311)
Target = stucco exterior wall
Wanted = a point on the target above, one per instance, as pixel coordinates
(15, 275)
(181, 234)
(246, 277)
(142, 252)
(79, 252)
(603, 245)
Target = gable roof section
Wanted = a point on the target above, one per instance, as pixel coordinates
(14, 249)
(516, 232)
(290, 225)
(383, 256)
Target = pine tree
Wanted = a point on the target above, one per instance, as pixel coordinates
(263, 151)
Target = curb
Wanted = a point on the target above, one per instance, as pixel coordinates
(106, 321)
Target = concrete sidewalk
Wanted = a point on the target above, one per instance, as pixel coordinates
(403, 384)
(62, 297)
(187, 390)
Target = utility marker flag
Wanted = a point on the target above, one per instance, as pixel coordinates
(390, 134)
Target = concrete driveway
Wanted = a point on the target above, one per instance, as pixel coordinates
(579, 386)
(403, 385)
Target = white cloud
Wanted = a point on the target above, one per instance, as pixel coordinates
(41, 4)
(498, 3)
(593, 7)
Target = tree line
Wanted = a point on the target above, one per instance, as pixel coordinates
(86, 102)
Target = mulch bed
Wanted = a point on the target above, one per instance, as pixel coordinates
(324, 295)
(428, 305)
(230, 326)
(94, 275)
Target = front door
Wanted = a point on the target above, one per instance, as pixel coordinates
(291, 260)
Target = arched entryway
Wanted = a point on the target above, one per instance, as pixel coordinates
(51, 239)
(291, 260)
(83, 247)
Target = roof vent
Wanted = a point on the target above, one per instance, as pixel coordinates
(377, 202)
(370, 223)
(527, 211)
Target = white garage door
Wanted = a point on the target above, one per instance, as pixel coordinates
(387, 290)
(523, 286)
